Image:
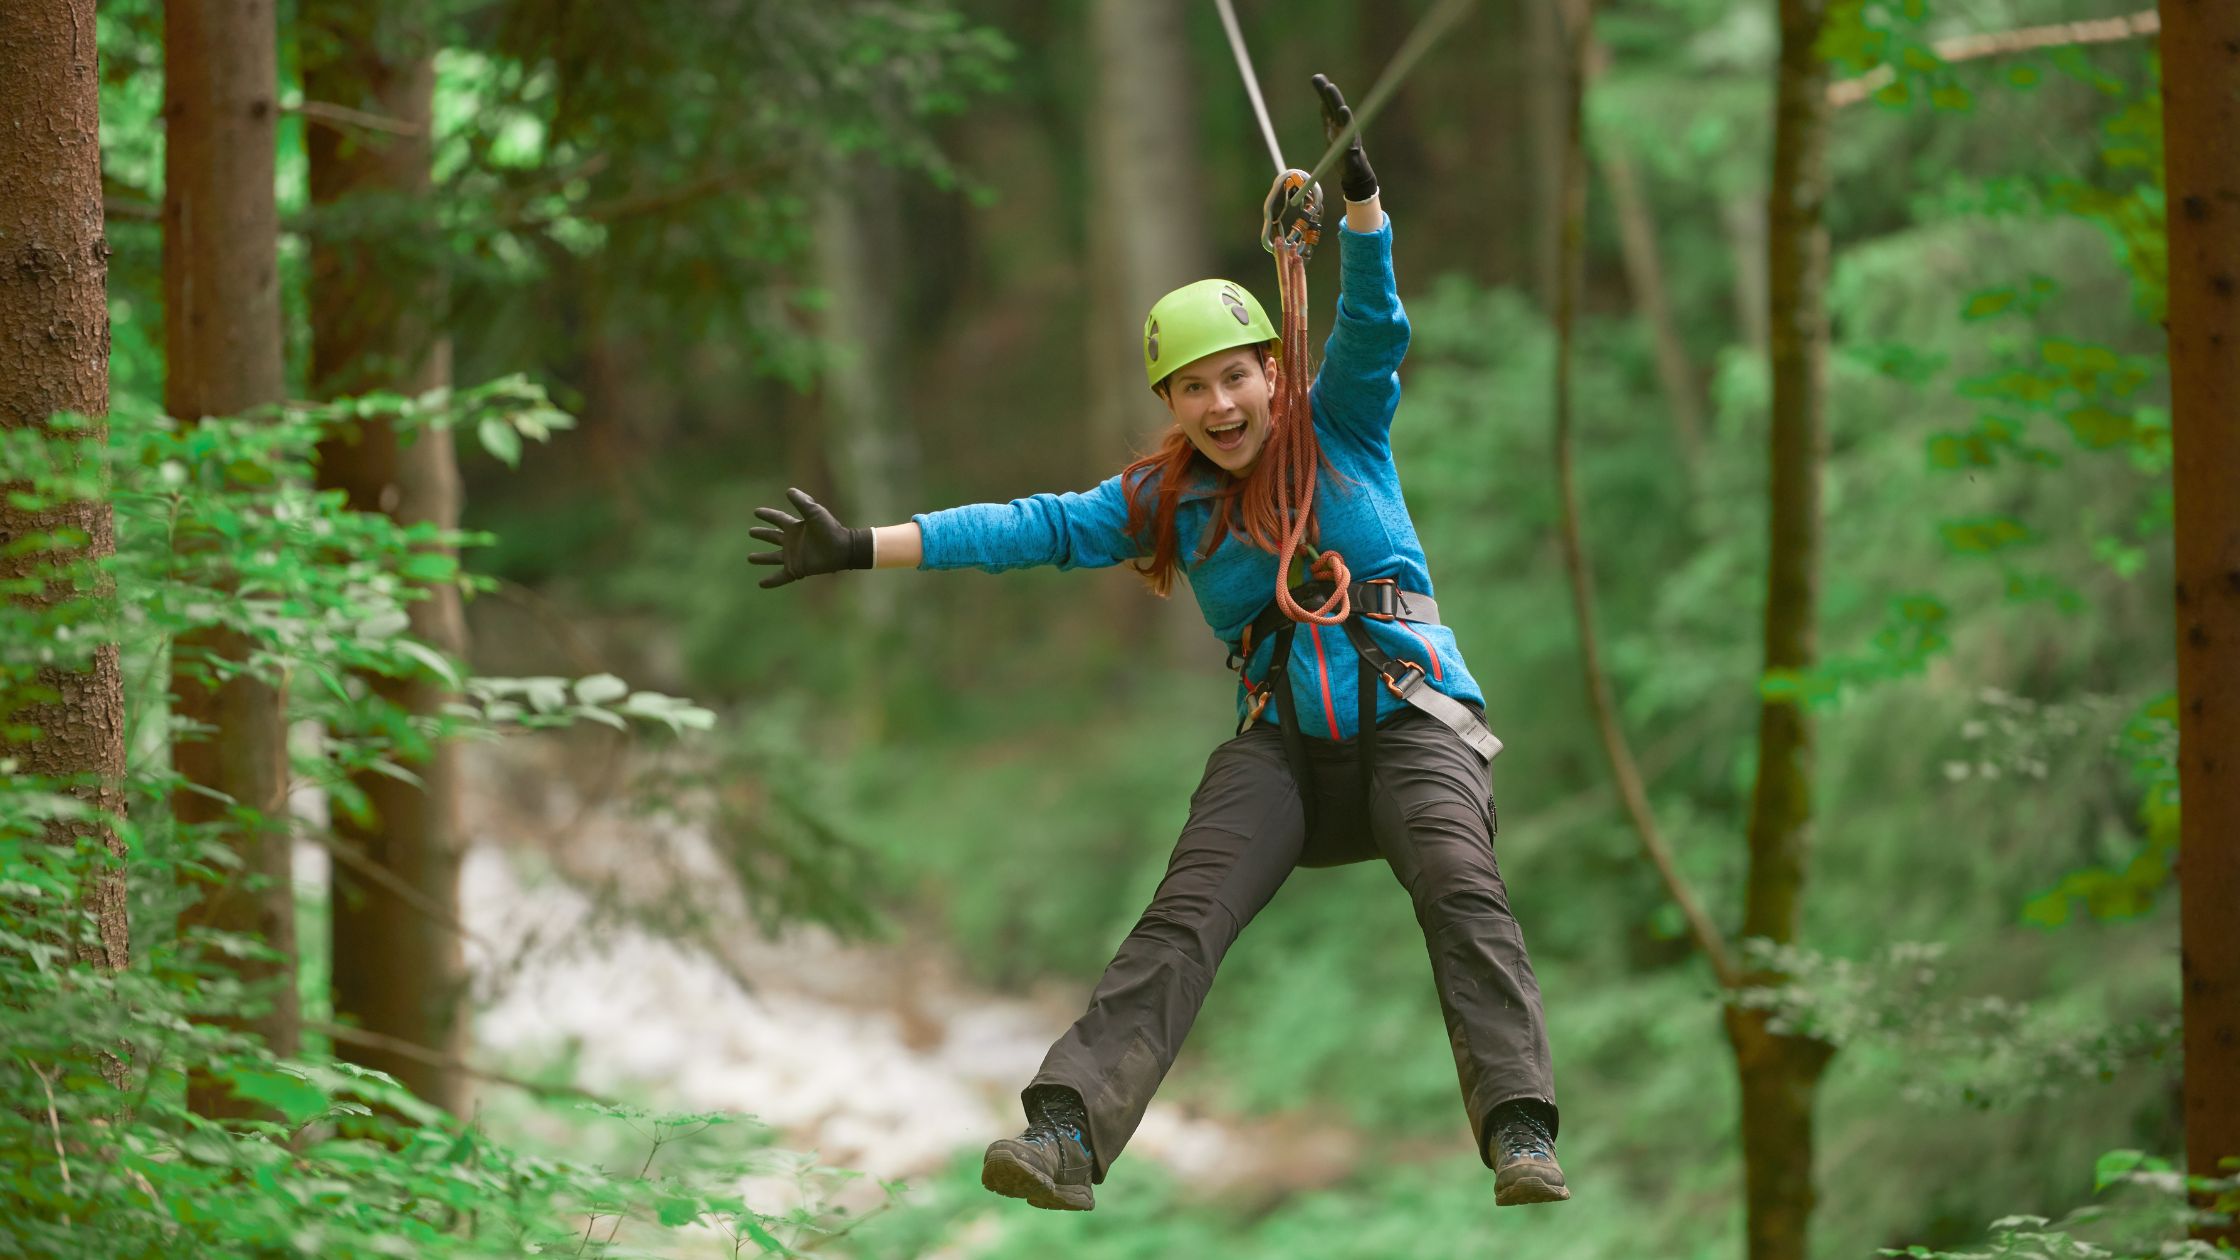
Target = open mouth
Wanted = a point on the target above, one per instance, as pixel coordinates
(1228, 436)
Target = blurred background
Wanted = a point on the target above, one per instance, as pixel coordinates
(897, 252)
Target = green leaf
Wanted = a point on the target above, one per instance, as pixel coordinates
(501, 440)
(1988, 303)
(429, 567)
(433, 661)
(1984, 535)
(2114, 1166)
(291, 1094)
(1952, 99)
(600, 689)
(2098, 429)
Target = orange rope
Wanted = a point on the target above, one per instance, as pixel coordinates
(1295, 458)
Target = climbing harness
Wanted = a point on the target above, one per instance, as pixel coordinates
(1291, 226)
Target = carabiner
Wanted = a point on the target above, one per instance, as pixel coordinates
(1291, 216)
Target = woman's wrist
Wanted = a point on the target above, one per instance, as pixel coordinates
(897, 546)
(1366, 216)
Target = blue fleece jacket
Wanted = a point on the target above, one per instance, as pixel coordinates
(1363, 518)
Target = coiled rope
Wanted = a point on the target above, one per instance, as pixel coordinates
(1296, 458)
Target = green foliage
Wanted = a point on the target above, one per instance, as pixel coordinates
(2149, 745)
(217, 528)
(2144, 1215)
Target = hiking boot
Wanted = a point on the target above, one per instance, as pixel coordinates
(1524, 1151)
(1049, 1165)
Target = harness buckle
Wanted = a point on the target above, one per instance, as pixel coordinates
(1399, 691)
(1390, 598)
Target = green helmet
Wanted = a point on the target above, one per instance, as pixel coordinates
(1198, 319)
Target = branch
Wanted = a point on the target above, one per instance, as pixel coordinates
(54, 1122)
(1623, 770)
(435, 1058)
(352, 856)
(1997, 43)
(342, 118)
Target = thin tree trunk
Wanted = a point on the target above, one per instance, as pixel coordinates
(1637, 235)
(1145, 238)
(223, 357)
(399, 973)
(872, 452)
(1578, 568)
(2201, 126)
(1544, 91)
(54, 357)
(1780, 1074)
(1745, 222)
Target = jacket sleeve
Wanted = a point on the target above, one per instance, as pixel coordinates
(1084, 530)
(1358, 388)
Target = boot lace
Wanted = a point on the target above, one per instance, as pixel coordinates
(1525, 1137)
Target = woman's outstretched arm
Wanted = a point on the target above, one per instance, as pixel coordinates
(1084, 530)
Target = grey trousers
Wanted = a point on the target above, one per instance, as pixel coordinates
(1430, 815)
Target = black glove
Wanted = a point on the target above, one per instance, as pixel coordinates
(1359, 183)
(810, 544)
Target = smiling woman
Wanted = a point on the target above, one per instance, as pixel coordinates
(1390, 758)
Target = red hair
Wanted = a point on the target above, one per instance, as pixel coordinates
(1249, 506)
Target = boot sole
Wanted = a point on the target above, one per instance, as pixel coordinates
(1529, 1189)
(1007, 1175)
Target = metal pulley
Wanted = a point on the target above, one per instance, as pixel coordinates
(1292, 215)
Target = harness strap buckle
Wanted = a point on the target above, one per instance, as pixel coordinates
(1385, 597)
(1408, 683)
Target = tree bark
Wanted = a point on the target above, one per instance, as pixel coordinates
(2201, 128)
(1779, 1074)
(1745, 221)
(1543, 120)
(1145, 238)
(1637, 236)
(54, 357)
(376, 297)
(223, 356)
(871, 451)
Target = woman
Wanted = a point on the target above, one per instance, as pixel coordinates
(1361, 738)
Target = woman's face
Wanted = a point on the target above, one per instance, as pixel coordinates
(1221, 401)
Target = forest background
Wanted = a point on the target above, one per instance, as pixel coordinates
(898, 253)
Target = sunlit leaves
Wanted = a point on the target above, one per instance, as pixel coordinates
(1984, 535)
(2148, 747)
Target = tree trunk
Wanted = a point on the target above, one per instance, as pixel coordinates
(872, 451)
(2201, 126)
(223, 357)
(1779, 1074)
(376, 299)
(54, 357)
(1544, 71)
(1145, 238)
(1625, 773)
(1745, 222)
(1637, 234)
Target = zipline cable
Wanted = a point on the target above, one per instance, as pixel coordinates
(1251, 80)
(1419, 41)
